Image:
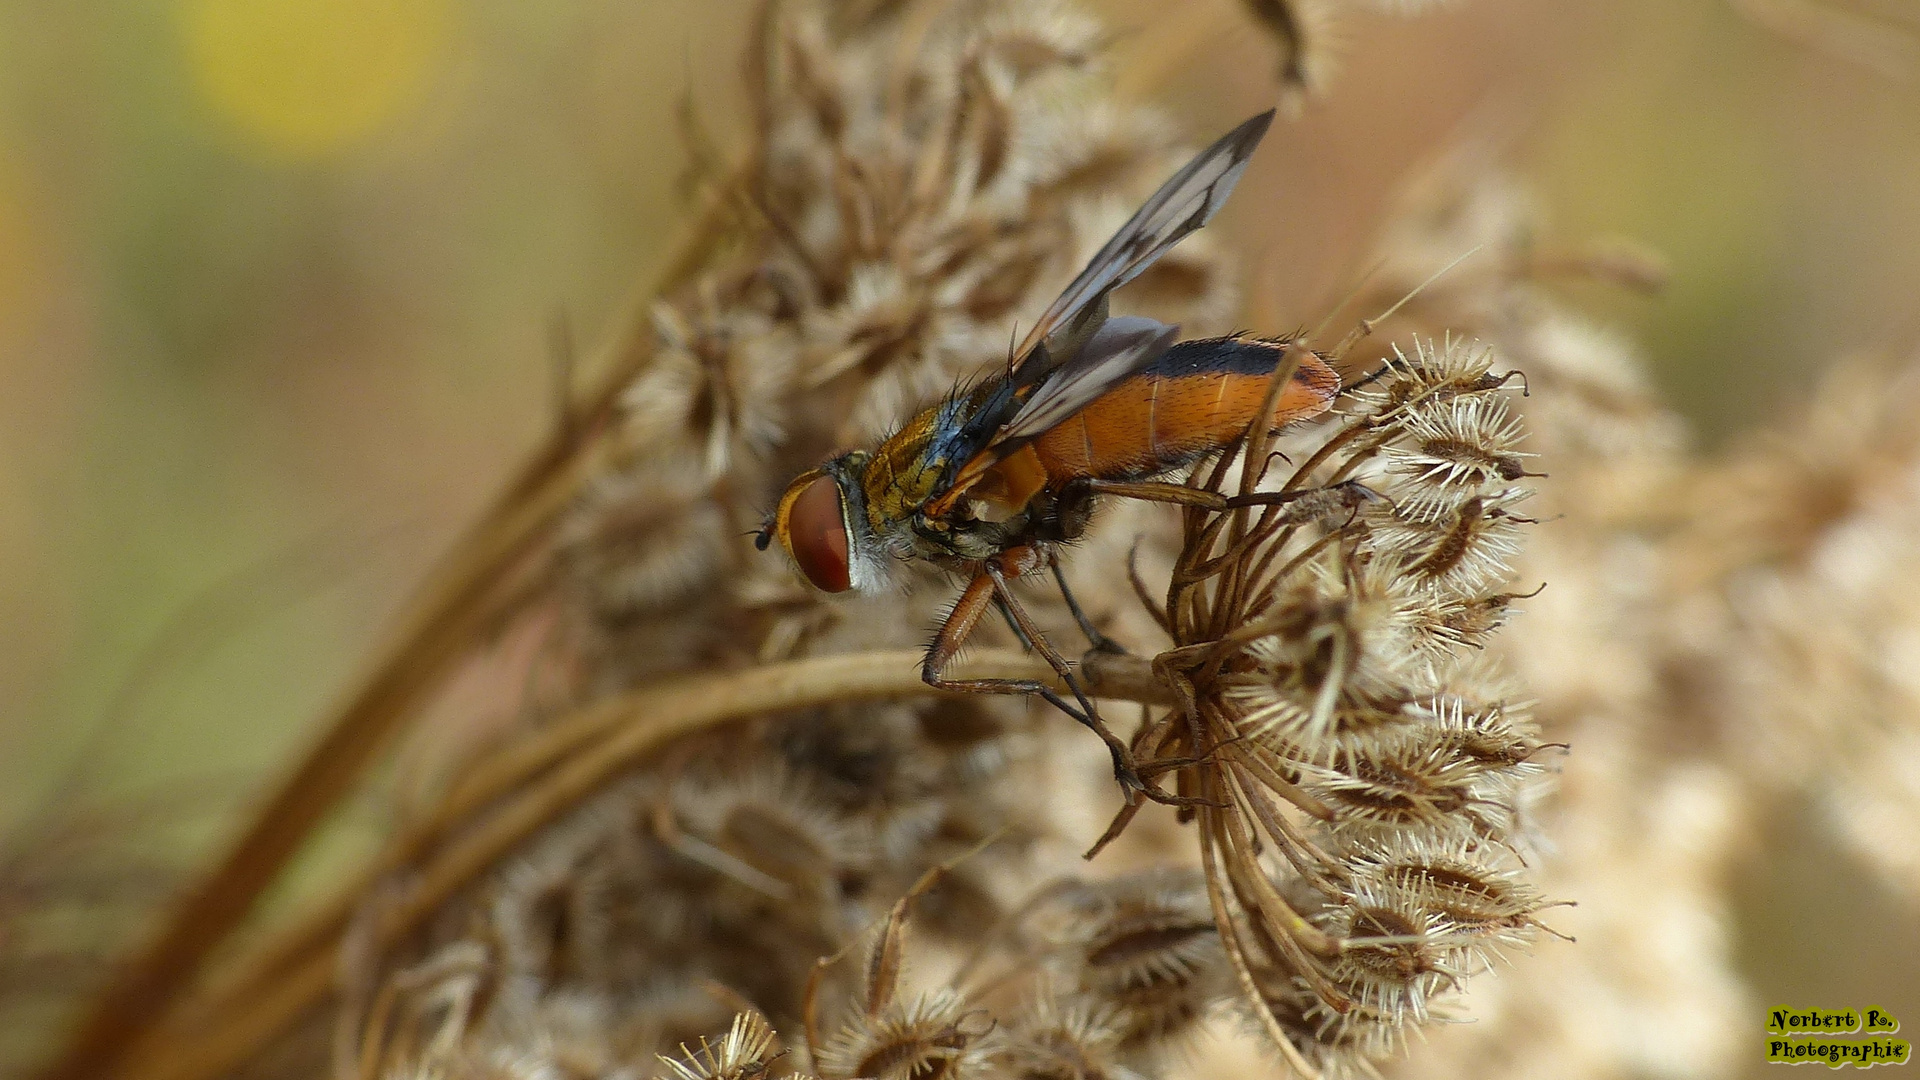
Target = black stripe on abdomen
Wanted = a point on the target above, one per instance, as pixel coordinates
(1223, 355)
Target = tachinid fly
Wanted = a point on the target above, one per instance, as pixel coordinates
(991, 481)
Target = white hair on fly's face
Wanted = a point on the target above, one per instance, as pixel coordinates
(872, 568)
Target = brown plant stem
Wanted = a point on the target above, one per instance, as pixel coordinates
(574, 758)
(1236, 950)
(1124, 677)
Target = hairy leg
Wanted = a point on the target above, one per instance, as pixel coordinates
(989, 588)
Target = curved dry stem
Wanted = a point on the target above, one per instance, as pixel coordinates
(1266, 900)
(526, 787)
(1124, 677)
(1236, 950)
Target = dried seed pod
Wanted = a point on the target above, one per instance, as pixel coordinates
(1482, 901)
(1394, 955)
(1306, 33)
(1141, 948)
(1055, 1040)
(1451, 449)
(1022, 41)
(1497, 735)
(766, 828)
(702, 391)
(932, 1035)
(1405, 787)
(1453, 777)
(1443, 625)
(1460, 549)
(1337, 669)
(1337, 1045)
(1432, 374)
(651, 544)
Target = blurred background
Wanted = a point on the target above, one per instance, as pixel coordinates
(280, 282)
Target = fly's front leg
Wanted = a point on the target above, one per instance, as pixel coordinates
(982, 592)
(1007, 617)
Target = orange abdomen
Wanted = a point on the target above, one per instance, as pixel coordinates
(1191, 403)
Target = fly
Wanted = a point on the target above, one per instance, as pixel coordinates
(993, 480)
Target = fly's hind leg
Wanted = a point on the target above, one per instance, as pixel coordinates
(1347, 493)
(989, 589)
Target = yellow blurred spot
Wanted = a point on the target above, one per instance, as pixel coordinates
(305, 78)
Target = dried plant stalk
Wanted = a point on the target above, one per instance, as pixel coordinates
(528, 786)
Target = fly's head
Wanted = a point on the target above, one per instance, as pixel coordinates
(822, 524)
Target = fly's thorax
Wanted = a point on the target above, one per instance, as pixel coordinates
(899, 477)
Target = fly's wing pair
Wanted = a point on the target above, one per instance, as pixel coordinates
(1102, 352)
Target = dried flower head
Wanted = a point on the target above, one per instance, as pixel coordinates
(1335, 732)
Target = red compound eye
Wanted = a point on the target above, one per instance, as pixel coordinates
(817, 535)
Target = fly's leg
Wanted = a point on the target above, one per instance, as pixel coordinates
(1099, 641)
(1087, 715)
(987, 588)
(967, 612)
(1155, 491)
(1348, 492)
(1013, 624)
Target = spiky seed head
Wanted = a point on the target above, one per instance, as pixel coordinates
(1466, 887)
(1460, 548)
(1072, 1039)
(1143, 948)
(1339, 1045)
(1434, 372)
(930, 1036)
(1338, 668)
(740, 1054)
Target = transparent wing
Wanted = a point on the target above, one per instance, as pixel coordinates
(1117, 350)
(1188, 200)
